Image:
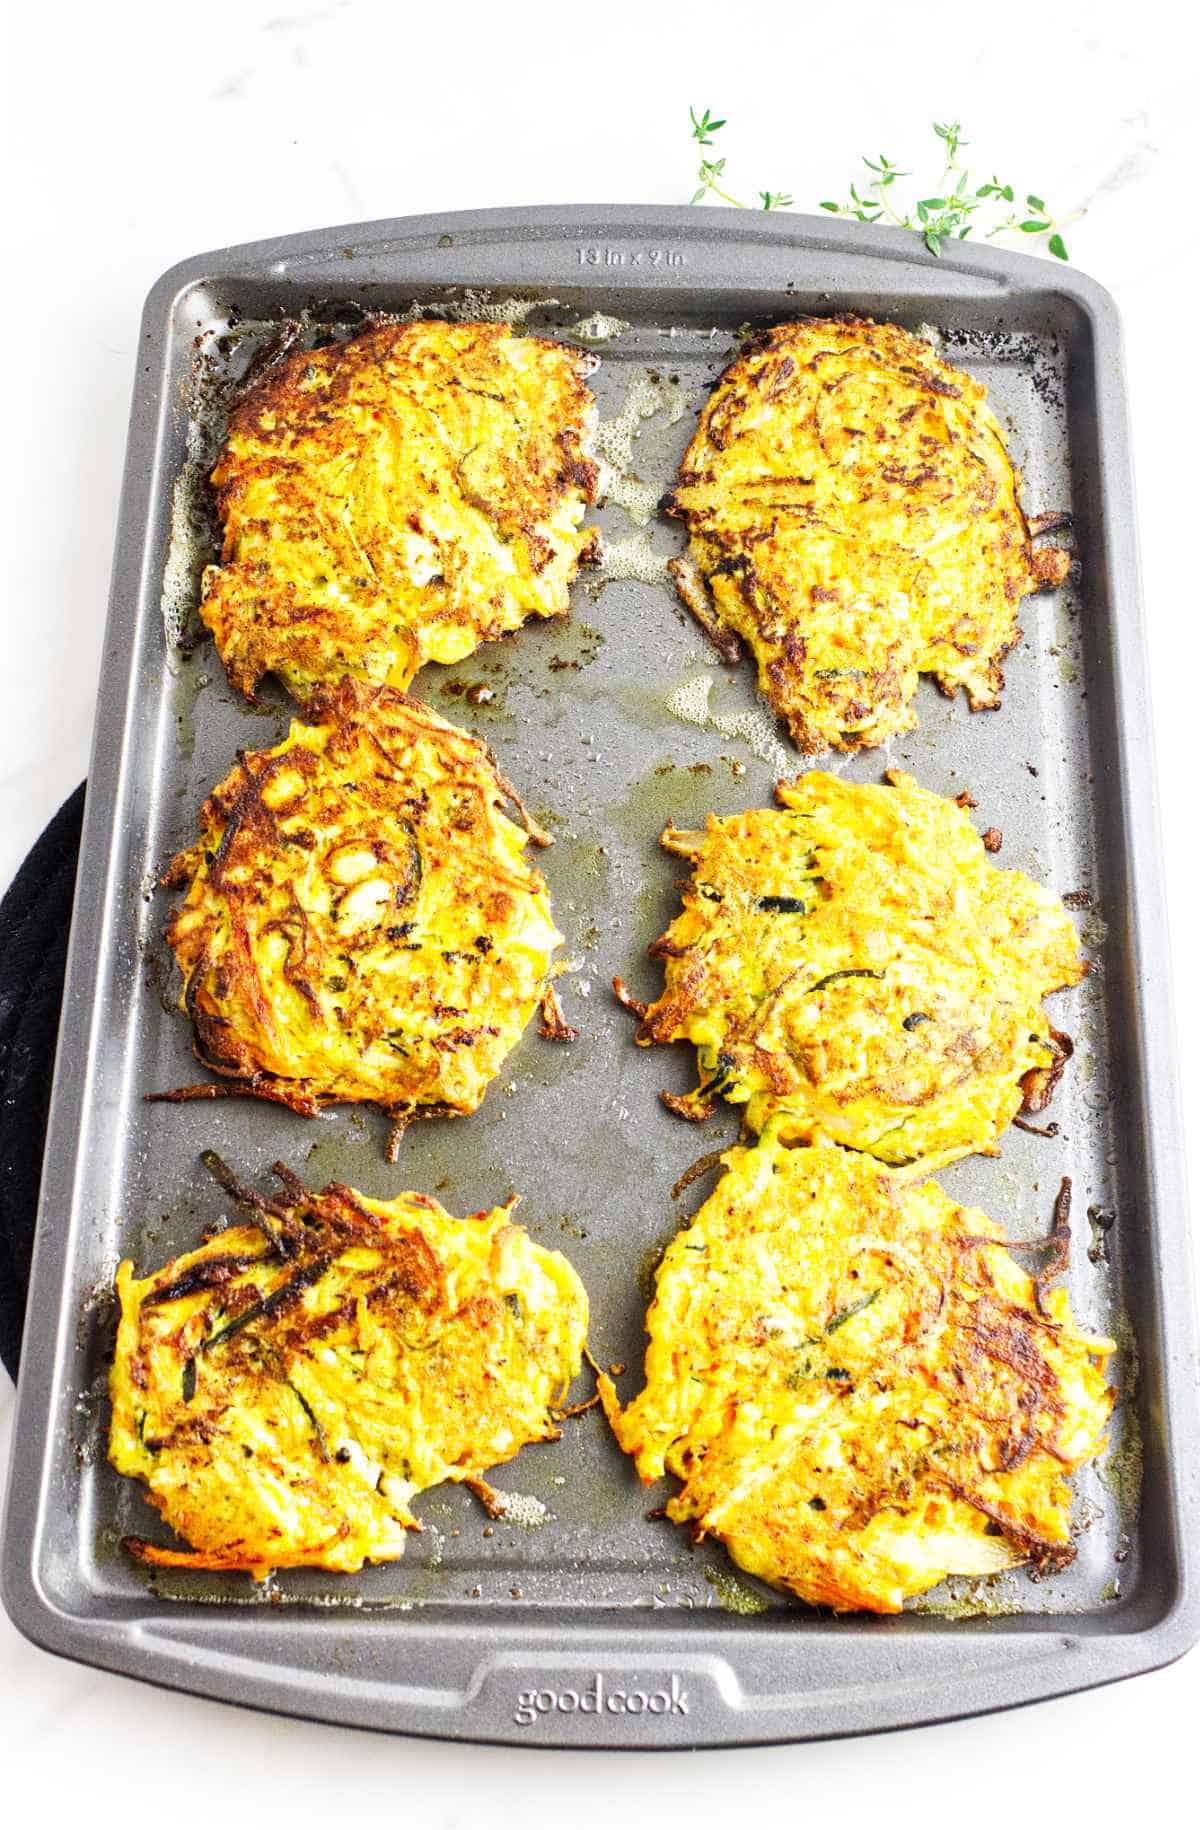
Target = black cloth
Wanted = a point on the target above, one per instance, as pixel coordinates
(35, 919)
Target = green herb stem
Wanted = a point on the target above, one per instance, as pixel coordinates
(960, 207)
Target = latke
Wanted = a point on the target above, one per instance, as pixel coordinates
(396, 499)
(853, 514)
(359, 922)
(854, 964)
(858, 1387)
(285, 1391)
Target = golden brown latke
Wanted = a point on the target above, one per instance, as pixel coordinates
(397, 499)
(359, 922)
(854, 963)
(858, 1387)
(853, 512)
(287, 1389)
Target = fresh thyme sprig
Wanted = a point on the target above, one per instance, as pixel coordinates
(958, 208)
(710, 170)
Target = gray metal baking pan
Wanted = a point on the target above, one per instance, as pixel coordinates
(580, 1621)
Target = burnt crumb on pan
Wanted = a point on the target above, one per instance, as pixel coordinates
(1059, 1260)
(554, 1025)
(1050, 566)
(623, 996)
(1049, 522)
(1101, 1221)
(1038, 1085)
(1023, 1124)
(701, 1167)
(693, 594)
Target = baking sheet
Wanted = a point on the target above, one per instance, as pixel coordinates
(609, 723)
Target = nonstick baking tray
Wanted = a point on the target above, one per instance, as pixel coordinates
(579, 1620)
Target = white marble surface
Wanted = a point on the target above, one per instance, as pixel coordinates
(142, 133)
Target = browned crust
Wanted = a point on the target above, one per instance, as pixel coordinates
(971, 1334)
(289, 1093)
(578, 1410)
(304, 1231)
(689, 1106)
(487, 1496)
(275, 387)
(403, 1117)
(161, 1556)
(771, 1076)
(1043, 1553)
(1050, 566)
